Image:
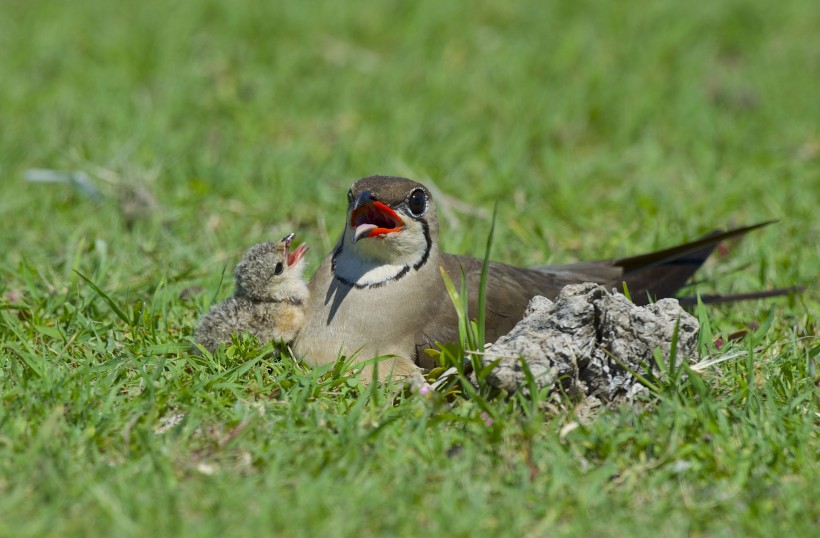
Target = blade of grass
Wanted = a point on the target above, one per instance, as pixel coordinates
(482, 287)
(114, 306)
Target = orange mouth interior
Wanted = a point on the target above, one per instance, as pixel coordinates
(374, 219)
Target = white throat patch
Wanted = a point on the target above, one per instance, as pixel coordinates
(364, 273)
(376, 260)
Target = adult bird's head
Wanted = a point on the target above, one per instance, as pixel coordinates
(391, 228)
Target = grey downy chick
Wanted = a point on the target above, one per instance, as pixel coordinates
(268, 301)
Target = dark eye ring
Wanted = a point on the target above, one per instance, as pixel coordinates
(279, 268)
(417, 202)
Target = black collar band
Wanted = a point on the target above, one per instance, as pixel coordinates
(406, 269)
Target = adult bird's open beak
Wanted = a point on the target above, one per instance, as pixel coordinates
(371, 218)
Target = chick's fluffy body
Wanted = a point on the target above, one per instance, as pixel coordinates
(267, 303)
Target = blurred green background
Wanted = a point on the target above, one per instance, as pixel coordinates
(595, 125)
(174, 135)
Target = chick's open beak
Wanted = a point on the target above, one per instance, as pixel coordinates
(297, 253)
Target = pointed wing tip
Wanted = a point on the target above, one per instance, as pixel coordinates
(691, 300)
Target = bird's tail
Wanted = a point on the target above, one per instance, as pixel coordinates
(663, 273)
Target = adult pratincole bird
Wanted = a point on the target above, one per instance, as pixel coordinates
(268, 302)
(380, 291)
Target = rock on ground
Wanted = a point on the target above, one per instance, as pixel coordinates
(571, 344)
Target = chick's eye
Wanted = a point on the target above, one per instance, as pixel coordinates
(279, 268)
(417, 202)
(350, 196)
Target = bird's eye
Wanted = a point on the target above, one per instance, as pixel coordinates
(417, 202)
(350, 196)
(279, 268)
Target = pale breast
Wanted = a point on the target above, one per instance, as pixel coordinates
(375, 321)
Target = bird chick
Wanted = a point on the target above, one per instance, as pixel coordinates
(268, 299)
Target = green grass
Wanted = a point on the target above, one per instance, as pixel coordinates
(601, 129)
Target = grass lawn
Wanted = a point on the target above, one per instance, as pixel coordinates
(177, 134)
